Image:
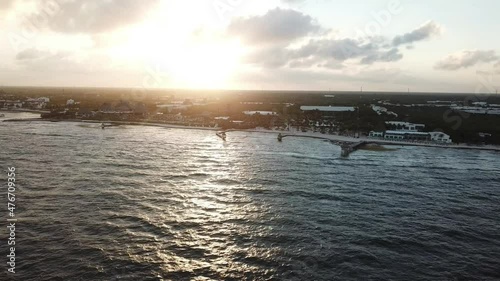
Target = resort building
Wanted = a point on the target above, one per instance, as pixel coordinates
(405, 126)
(407, 135)
(440, 137)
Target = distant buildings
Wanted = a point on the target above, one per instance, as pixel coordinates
(10, 104)
(123, 107)
(479, 109)
(36, 103)
(382, 110)
(328, 108)
(269, 113)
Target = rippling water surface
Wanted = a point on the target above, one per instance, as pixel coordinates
(146, 203)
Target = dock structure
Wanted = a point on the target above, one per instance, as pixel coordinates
(221, 135)
(349, 145)
(346, 147)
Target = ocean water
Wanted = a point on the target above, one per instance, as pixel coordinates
(147, 203)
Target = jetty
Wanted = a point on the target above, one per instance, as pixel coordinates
(347, 147)
(221, 135)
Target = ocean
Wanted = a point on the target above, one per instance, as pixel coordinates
(149, 203)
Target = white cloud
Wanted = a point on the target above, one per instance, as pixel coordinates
(426, 31)
(466, 58)
(93, 16)
(278, 25)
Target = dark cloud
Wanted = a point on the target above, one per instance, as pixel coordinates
(425, 31)
(278, 25)
(465, 59)
(95, 16)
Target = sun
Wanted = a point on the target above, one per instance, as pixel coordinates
(192, 53)
(205, 66)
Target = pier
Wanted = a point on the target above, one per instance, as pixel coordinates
(347, 147)
(221, 135)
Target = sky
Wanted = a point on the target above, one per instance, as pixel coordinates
(320, 45)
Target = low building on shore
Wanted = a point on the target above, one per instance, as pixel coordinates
(440, 137)
(407, 135)
(400, 135)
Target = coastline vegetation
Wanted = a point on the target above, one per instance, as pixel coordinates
(272, 109)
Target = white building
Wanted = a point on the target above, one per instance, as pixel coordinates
(407, 135)
(70, 102)
(440, 137)
(394, 135)
(374, 134)
(405, 126)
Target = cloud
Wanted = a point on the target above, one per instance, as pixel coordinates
(6, 4)
(270, 38)
(278, 25)
(384, 56)
(425, 31)
(31, 54)
(345, 49)
(62, 62)
(466, 58)
(95, 16)
(324, 53)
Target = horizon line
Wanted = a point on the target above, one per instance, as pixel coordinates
(364, 91)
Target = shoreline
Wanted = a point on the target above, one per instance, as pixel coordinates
(337, 138)
(131, 123)
(24, 111)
